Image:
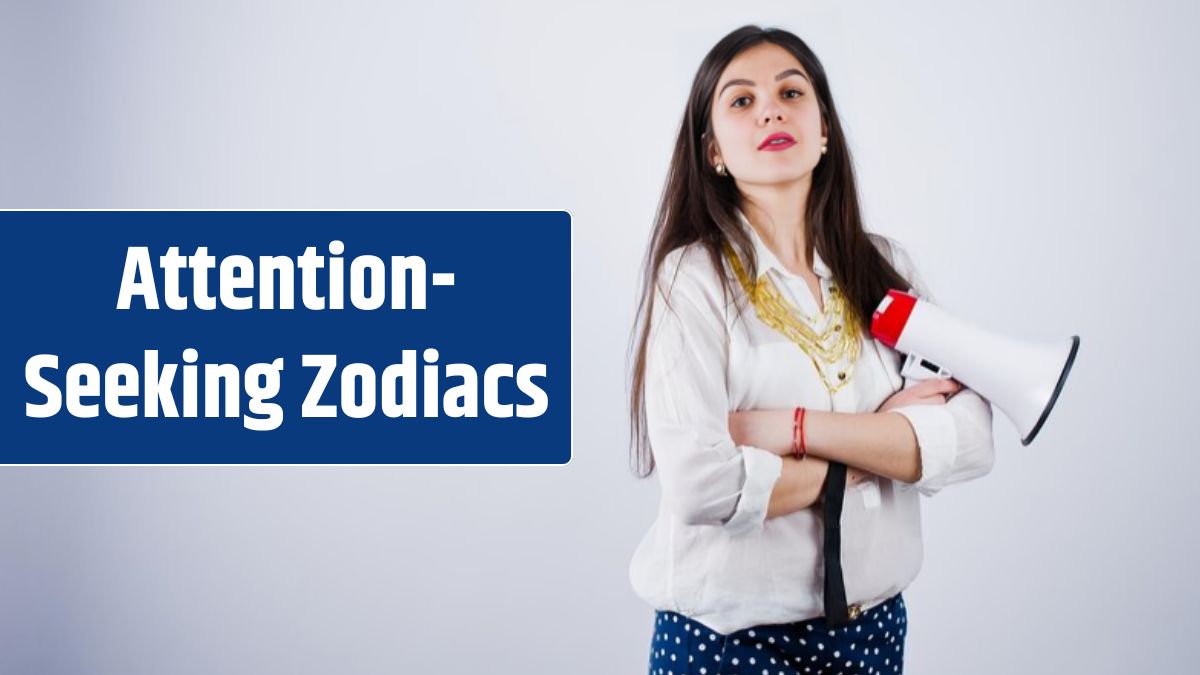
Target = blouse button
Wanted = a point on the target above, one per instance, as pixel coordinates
(842, 375)
(838, 327)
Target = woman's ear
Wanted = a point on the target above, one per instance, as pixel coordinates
(713, 153)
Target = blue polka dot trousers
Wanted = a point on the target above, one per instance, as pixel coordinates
(873, 644)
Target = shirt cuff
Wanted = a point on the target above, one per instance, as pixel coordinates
(937, 439)
(763, 469)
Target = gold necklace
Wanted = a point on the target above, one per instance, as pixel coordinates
(828, 346)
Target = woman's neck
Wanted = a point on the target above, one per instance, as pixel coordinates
(777, 213)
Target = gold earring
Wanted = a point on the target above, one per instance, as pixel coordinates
(824, 147)
(720, 168)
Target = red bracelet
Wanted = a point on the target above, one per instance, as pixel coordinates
(798, 448)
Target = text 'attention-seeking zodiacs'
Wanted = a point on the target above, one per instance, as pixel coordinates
(408, 387)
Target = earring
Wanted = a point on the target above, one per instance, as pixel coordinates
(824, 147)
(720, 168)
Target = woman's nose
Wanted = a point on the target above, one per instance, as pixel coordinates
(771, 114)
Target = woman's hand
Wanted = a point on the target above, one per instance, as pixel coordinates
(926, 392)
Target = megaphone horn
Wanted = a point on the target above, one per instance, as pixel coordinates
(1022, 379)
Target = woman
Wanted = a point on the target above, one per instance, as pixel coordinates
(757, 388)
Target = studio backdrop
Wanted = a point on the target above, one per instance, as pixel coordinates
(1036, 159)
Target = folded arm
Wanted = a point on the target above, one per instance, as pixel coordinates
(914, 438)
(938, 442)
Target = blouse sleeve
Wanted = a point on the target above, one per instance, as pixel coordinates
(706, 479)
(955, 439)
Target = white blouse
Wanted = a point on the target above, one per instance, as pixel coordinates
(712, 554)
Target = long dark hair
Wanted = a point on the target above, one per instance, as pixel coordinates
(699, 205)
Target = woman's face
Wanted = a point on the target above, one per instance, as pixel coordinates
(765, 94)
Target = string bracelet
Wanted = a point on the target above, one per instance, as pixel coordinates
(798, 447)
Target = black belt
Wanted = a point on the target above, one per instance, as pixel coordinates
(836, 612)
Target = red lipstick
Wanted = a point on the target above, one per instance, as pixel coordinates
(776, 142)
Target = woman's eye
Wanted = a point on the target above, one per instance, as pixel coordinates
(789, 92)
(740, 98)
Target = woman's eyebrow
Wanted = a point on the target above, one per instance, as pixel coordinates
(780, 76)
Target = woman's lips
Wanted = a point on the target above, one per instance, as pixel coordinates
(777, 142)
(776, 147)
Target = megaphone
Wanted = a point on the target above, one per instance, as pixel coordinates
(1022, 379)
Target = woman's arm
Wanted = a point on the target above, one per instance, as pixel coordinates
(706, 478)
(876, 443)
(798, 487)
(800, 484)
(879, 443)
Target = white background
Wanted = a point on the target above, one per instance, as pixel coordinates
(1037, 158)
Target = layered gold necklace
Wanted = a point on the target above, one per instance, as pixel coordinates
(825, 348)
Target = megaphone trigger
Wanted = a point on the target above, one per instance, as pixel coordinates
(918, 368)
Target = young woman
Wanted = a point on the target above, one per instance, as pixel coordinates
(757, 388)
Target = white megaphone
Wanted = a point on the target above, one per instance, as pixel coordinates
(1022, 379)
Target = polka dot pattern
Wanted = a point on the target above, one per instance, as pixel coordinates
(872, 645)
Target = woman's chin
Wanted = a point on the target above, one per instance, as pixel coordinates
(778, 177)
